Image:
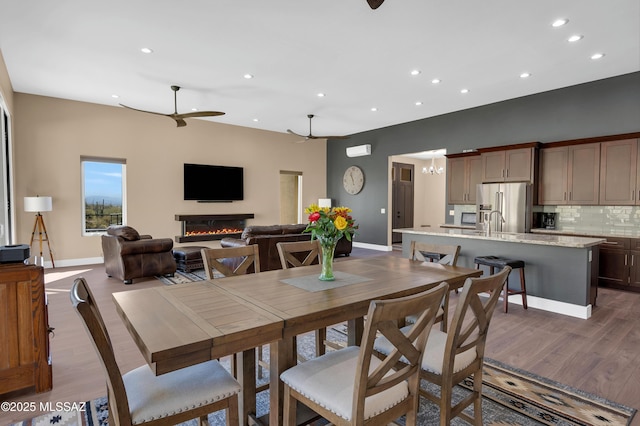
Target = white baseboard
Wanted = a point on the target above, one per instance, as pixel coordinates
(372, 246)
(569, 309)
(68, 262)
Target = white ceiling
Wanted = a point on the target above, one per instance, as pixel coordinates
(360, 58)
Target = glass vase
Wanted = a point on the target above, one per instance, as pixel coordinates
(328, 249)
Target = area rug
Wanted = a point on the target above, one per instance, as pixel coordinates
(180, 277)
(511, 397)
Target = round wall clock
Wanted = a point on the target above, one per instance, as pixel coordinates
(353, 180)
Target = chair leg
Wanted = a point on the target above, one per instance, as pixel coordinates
(445, 405)
(477, 403)
(321, 336)
(204, 420)
(289, 408)
(523, 288)
(233, 416)
(506, 295)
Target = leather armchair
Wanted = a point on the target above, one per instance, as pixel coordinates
(129, 255)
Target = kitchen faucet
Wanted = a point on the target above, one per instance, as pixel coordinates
(488, 222)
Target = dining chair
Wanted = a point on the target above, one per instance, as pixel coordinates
(230, 261)
(140, 397)
(352, 386)
(450, 357)
(442, 254)
(222, 262)
(305, 253)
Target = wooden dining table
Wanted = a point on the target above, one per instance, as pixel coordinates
(181, 325)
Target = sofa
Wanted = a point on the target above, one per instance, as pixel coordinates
(266, 237)
(129, 255)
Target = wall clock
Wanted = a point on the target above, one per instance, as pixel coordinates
(353, 180)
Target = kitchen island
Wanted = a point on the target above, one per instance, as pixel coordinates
(561, 271)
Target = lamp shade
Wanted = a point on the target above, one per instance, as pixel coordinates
(38, 204)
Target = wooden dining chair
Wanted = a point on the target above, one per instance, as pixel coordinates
(305, 253)
(230, 261)
(435, 253)
(453, 356)
(140, 397)
(352, 386)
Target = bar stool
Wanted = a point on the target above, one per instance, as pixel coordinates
(500, 262)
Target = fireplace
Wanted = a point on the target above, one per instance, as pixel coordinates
(208, 227)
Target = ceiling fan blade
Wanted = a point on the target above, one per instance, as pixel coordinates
(148, 112)
(374, 4)
(330, 137)
(297, 134)
(199, 114)
(180, 122)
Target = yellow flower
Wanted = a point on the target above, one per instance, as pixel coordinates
(312, 209)
(340, 223)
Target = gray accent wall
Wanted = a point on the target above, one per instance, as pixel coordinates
(600, 108)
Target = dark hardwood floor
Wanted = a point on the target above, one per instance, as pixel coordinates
(600, 355)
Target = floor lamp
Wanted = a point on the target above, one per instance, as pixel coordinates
(39, 204)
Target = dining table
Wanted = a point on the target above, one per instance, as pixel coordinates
(179, 325)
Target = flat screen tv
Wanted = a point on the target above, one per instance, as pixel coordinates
(213, 183)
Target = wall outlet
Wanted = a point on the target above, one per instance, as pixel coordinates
(452, 212)
(383, 211)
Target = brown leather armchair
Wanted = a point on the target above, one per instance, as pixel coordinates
(129, 255)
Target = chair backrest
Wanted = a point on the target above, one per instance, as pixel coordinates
(212, 259)
(292, 253)
(470, 323)
(449, 253)
(383, 317)
(85, 305)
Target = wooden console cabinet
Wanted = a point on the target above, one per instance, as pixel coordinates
(25, 360)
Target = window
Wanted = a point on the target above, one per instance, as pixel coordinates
(103, 192)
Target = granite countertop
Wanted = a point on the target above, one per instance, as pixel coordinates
(619, 233)
(528, 238)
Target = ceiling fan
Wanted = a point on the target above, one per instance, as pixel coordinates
(312, 136)
(375, 3)
(180, 117)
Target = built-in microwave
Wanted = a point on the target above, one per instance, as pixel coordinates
(468, 219)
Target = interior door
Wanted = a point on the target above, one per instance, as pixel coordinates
(402, 177)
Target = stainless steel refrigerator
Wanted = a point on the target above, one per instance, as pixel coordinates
(511, 201)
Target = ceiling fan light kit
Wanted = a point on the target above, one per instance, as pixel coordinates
(359, 150)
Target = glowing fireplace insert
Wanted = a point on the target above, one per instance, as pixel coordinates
(208, 227)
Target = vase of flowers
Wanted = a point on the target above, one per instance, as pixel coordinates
(328, 225)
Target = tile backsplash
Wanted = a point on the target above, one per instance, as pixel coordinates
(596, 219)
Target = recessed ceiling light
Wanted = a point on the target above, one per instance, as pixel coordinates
(418, 103)
(115, 96)
(559, 22)
(436, 81)
(194, 109)
(596, 56)
(321, 95)
(256, 120)
(574, 38)
(374, 109)
(248, 76)
(146, 50)
(525, 75)
(464, 91)
(415, 72)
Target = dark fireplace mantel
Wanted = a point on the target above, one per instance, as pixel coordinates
(209, 227)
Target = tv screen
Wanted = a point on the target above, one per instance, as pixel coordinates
(213, 183)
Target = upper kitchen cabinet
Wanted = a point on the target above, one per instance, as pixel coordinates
(464, 172)
(569, 175)
(516, 163)
(619, 176)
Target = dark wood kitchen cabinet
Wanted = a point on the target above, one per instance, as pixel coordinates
(25, 361)
(619, 264)
(464, 172)
(619, 174)
(509, 165)
(569, 175)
